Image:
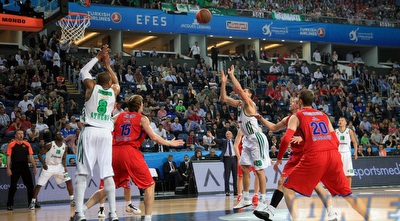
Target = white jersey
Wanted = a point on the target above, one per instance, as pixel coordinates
(247, 124)
(55, 154)
(344, 140)
(98, 109)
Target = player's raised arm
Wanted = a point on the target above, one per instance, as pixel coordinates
(238, 87)
(271, 126)
(223, 97)
(86, 76)
(153, 136)
(106, 62)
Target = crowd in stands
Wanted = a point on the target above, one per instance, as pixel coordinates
(183, 101)
(352, 11)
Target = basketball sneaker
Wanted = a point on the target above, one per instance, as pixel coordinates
(72, 203)
(79, 217)
(263, 212)
(242, 203)
(113, 217)
(132, 209)
(333, 216)
(239, 197)
(254, 200)
(32, 206)
(100, 213)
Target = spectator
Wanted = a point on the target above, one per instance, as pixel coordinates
(72, 141)
(71, 162)
(198, 155)
(32, 134)
(171, 173)
(367, 126)
(208, 141)
(376, 138)
(160, 131)
(212, 155)
(382, 152)
(4, 121)
(192, 142)
(369, 152)
(67, 130)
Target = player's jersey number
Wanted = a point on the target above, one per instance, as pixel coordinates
(319, 128)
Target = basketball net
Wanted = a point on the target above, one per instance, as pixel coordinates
(73, 26)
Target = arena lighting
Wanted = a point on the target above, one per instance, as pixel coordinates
(139, 42)
(87, 36)
(271, 46)
(220, 44)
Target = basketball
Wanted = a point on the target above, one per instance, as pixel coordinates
(203, 16)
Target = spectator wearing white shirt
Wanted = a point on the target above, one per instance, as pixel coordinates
(323, 107)
(316, 56)
(349, 56)
(318, 76)
(23, 105)
(129, 77)
(195, 51)
(56, 62)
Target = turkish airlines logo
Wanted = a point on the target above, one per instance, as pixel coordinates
(116, 17)
(321, 32)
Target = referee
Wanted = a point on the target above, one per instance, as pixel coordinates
(18, 154)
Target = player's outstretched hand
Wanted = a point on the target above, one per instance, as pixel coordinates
(176, 143)
(257, 115)
(224, 78)
(277, 164)
(231, 71)
(296, 139)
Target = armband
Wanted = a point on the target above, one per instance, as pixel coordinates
(85, 70)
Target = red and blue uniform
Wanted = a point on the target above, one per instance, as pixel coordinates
(321, 160)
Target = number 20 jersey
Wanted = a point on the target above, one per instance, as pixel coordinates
(315, 127)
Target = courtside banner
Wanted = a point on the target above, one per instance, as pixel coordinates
(18, 23)
(210, 176)
(149, 20)
(376, 171)
(52, 192)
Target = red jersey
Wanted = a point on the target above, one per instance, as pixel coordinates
(128, 131)
(315, 129)
(296, 148)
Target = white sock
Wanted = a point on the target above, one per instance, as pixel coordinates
(263, 198)
(84, 208)
(128, 202)
(329, 209)
(71, 197)
(147, 217)
(33, 200)
(80, 187)
(109, 187)
(102, 205)
(245, 195)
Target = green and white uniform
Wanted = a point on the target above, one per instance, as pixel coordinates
(54, 163)
(255, 144)
(345, 151)
(95, 140)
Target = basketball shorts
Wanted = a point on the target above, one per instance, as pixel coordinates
(94, 147)
(294, 159)
(53, 170)
(255, 151)
(347, 163)
(325, 166)
(128, 162)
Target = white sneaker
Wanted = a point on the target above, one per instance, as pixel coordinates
(242, 203)
(332, 216)
(79, 217)
(263, 212)
(113, 217)
(101, 214)
(132, 209)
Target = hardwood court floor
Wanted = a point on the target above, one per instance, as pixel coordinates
(384, 204)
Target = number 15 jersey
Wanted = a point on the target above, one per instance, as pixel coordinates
(128, 130)
(315, 127)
